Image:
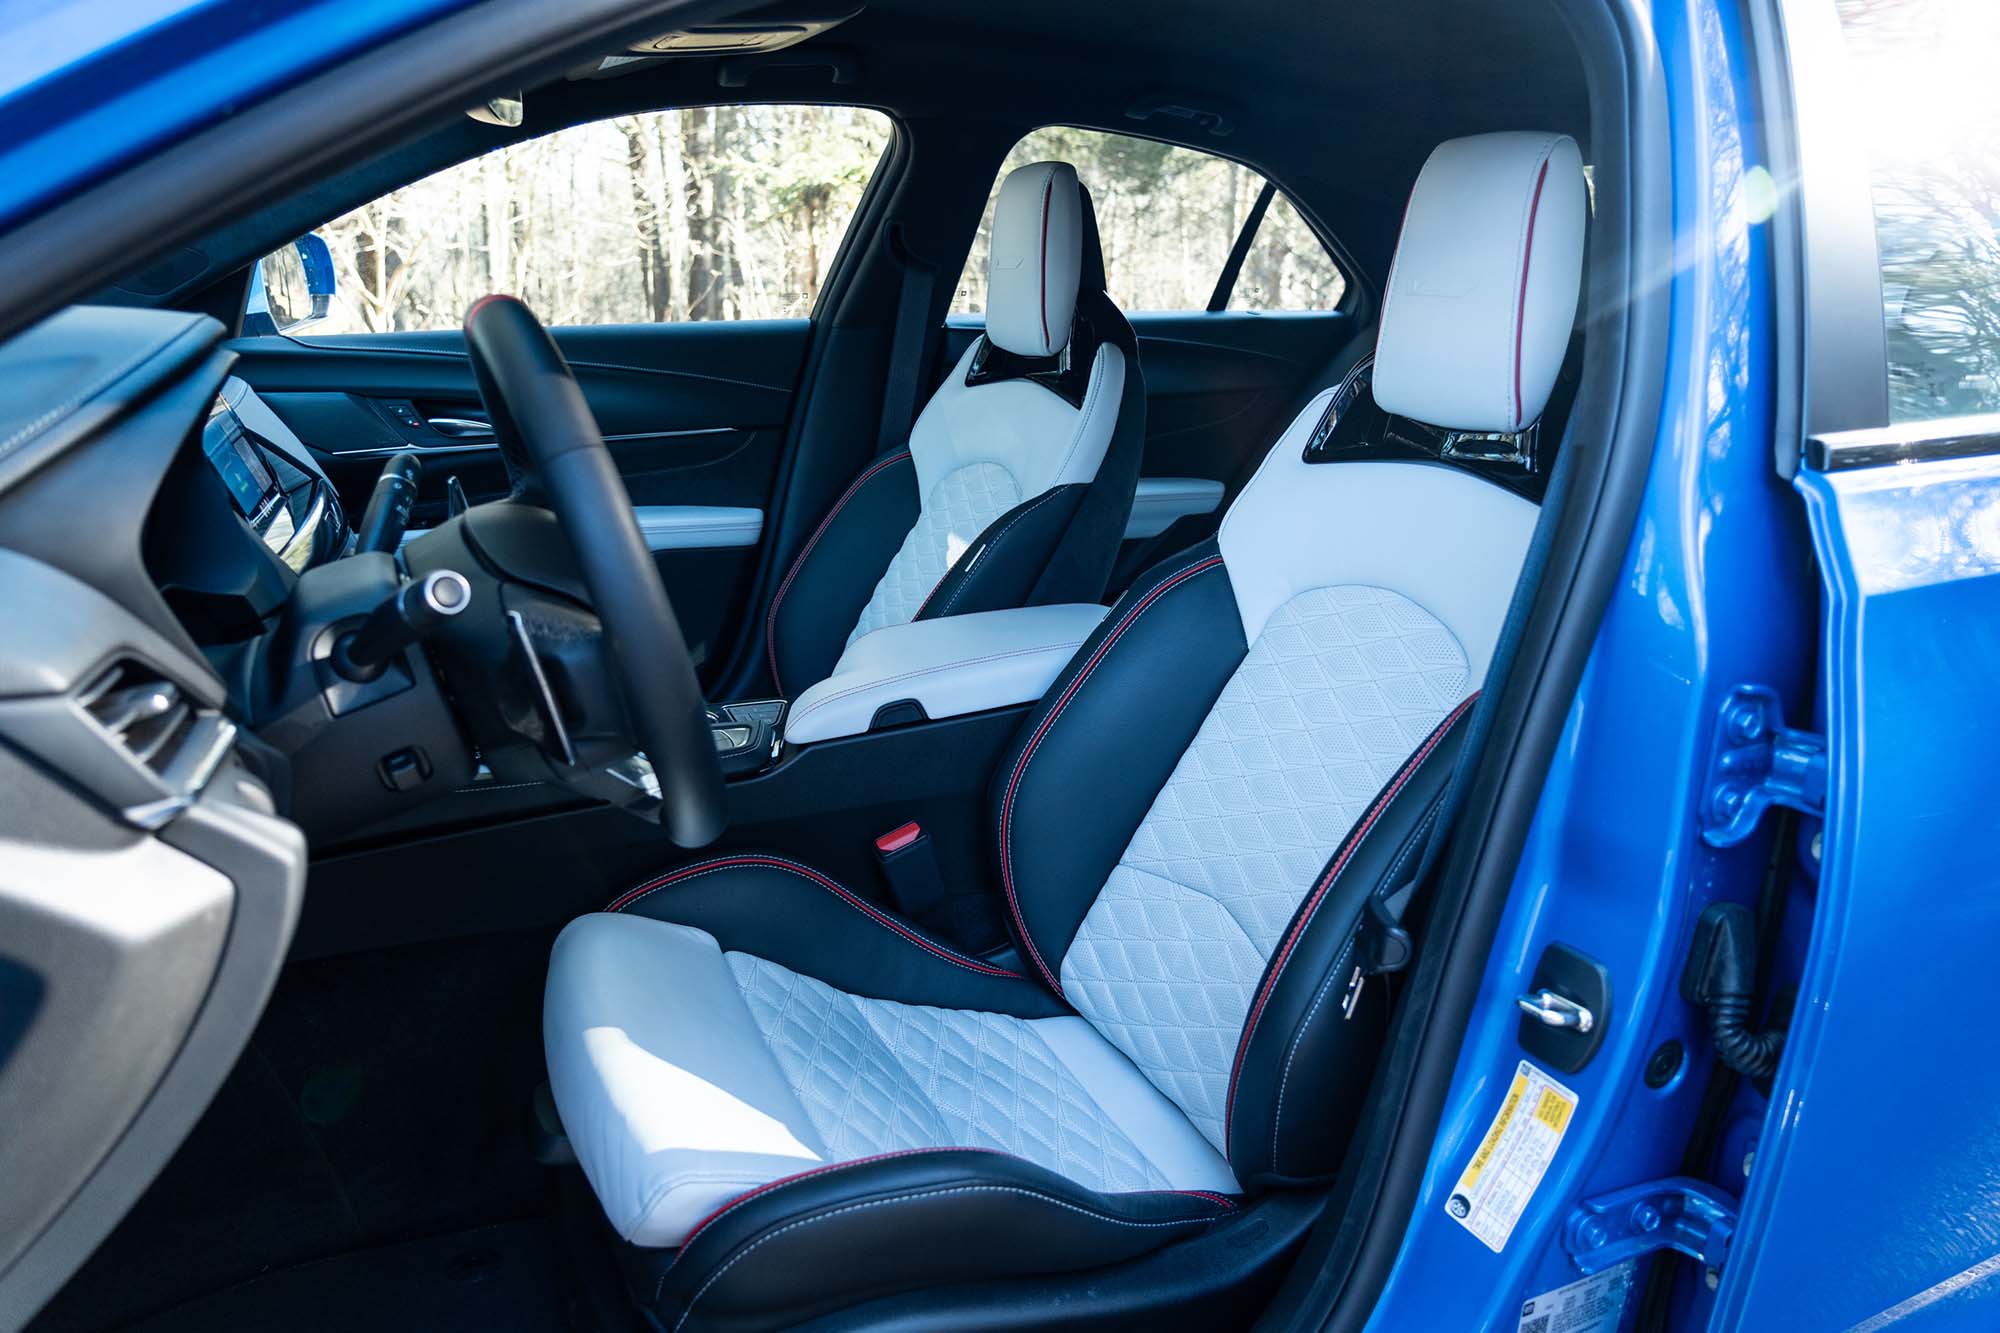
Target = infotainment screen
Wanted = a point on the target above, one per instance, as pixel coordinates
(236, 459)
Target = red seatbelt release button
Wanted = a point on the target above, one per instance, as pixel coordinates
(896, 839)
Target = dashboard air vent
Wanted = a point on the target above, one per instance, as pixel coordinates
(178, 743)
(144, 711)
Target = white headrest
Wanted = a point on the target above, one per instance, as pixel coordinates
(1482, 292)
(1037, 254)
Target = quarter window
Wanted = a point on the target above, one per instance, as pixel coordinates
(1169, 218)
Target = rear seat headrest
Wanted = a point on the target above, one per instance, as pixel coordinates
(1035, 260)
(1482, 293)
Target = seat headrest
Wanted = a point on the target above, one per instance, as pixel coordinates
(1035, 260)
(1482, 292)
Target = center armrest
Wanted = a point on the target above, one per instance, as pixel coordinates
(949, 666)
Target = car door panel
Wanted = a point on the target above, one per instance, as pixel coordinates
(694, 414)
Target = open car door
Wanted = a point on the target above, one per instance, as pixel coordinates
(1863, 1183)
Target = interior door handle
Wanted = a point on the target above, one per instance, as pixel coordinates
(461, 428)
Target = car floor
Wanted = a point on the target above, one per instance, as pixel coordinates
(367, 1166)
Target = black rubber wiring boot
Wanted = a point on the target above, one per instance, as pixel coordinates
(1721, 976)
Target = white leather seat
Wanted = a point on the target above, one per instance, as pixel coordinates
(708, 1074)
(817, 1100)
(1018, 478)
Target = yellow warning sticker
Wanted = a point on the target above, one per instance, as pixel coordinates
(1513, 1157)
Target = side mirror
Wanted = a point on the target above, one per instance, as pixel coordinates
(290, 288)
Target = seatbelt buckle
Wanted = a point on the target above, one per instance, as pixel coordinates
(909, 864)
(1381, 944)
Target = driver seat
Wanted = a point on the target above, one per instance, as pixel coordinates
(792, 1100)
(1017, 480)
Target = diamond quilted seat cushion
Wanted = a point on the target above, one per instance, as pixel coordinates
(792, 1097)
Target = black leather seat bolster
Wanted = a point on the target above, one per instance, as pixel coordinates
(1303, 1059)
(1092, 756)
(834, 573)
(794, 915)
(1000, 569)
(843, 1234)
(1079, 568)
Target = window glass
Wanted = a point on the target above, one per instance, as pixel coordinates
(1925, 70)
(1286, 268)
(1167, 217)
(711, 213)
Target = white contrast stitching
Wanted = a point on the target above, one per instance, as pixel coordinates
(1004, 833)
(1333, 977)
(745, 1253)
(991, 544)
(767, 861)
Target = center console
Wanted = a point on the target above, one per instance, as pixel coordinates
(905, 734)
(930, 669)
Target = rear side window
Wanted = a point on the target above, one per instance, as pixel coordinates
(708, 214)
(1169, 218)
(1924, 70)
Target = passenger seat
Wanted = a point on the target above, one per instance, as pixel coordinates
(1017, 481)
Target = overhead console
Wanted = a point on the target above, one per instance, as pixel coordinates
(769, 29)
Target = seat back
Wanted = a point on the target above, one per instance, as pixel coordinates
(1261, 733)
(1020, 470)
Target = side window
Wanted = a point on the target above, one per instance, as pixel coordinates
(1923, 69)
(1169, 218)
(712, 213)
(1286, 267)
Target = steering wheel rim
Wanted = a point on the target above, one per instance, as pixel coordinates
(553, 447)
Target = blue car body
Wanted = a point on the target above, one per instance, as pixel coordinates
(1858, 1188)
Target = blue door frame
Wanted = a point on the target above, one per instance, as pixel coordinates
(88, 88)
(1717, 590)
(1873, 1192)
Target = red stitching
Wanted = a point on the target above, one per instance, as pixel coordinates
(732, 1204)
(1521, 308)
(1014, 783)
(771, 619)
(1048, 193)
(1348, 847)
(807, 872)
(487, 300)
(1211, 1197)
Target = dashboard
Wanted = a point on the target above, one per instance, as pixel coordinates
(150, 886)
(272, 478)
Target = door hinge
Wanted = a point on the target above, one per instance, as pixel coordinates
(1756, 762)
(1675, 1214)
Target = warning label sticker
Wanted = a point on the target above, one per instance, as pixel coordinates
(1511, 1160)
(1590, 1305)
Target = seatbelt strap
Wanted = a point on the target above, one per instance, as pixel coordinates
(909, 347)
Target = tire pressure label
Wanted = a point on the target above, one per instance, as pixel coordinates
(1511, 1160)
(1593, 1304)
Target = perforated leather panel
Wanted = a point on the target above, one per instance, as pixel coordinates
(1339, 688)
(960, 507)
(876, 1076)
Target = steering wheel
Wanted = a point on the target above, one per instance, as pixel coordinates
(558, 461)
